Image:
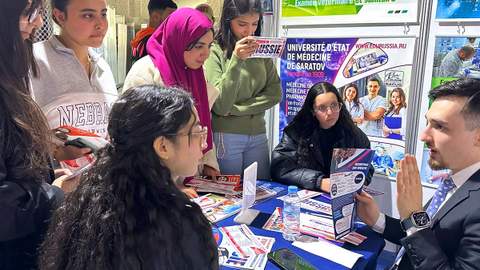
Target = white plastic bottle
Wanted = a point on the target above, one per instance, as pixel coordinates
(291, 215)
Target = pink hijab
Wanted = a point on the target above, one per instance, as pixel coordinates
(166, 47)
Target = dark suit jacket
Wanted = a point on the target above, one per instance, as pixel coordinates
(452, 241)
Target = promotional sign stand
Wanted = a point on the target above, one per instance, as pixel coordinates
(247, 215)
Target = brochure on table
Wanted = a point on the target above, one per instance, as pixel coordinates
(240, 248)
(218, 207)
(348, 172)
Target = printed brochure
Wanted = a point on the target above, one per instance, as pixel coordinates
(349, 169)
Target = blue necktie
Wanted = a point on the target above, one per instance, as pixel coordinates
(437, 200)
(439, 196)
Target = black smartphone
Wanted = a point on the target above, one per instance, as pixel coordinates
(94, 143)
(76, 142)
(288, 260)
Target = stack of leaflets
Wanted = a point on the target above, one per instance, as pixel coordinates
(222, 184)
(304, 194)
(240, 248)
(261, 193)
(275, 221)
(313, 225)
(217, 207)
(317, 206)
(322, 226)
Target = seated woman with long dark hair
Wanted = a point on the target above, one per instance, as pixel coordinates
(304, 155)
(127, 212)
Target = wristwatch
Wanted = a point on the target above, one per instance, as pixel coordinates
(419, 220)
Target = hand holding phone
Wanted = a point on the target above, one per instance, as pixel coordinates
(68, 152)
(71, 136)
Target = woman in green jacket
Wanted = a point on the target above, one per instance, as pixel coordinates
(248, 87)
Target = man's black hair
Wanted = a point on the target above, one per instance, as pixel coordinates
(160, 5)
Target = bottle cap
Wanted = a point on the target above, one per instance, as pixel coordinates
(292, 189)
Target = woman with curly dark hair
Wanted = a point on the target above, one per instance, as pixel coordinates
(26, 198)
(127, 212)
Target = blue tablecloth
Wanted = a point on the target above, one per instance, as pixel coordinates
(370, 248)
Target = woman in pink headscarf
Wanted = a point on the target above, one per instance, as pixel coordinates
(176, 53)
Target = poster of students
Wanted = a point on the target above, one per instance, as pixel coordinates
(455, 57)
(348, 11)
(388, 154)
(455, 10)
(375, 92)
(349, 169)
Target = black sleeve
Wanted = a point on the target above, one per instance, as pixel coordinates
(285, 168)
(24, 204)
(393, 231)
(425, 252)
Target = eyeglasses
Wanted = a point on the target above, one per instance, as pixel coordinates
(334, 107)
(203, 133)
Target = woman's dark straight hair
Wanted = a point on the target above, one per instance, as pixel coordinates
(231, 10)
(305, 122)
(26, 124)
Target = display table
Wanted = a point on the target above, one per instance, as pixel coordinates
(370, 248)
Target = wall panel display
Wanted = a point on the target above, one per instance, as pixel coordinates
(454, 58)
(375, 70)
(300, 12)
(458, 10)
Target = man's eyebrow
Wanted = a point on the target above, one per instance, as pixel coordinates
(436, 121)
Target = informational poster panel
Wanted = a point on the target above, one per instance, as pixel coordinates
(358, 63)
(458, 10)
(300, 12)
(454, 58)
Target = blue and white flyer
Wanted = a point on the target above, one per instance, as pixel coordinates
(348, 172)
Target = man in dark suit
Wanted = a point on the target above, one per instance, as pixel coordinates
(446, 233)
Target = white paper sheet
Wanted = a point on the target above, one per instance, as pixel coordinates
(330, 252)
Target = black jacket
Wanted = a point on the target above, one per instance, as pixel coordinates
(298, 160)
(25, 201)
(451, 241)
